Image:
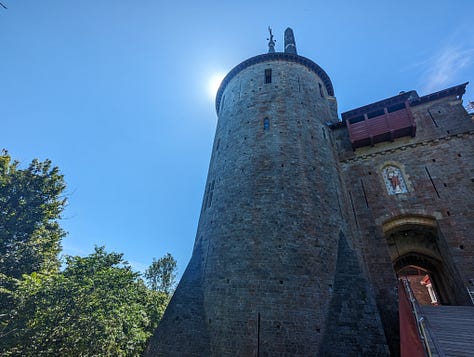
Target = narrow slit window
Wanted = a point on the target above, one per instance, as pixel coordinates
(266, 124)
(268, 75)
(207, 196)
(222, 103)
(321, 90)
(211, 192)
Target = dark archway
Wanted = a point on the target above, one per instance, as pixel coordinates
(416, 242)
(419, 265)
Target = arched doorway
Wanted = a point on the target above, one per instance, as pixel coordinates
(419, 252)
(422, 276)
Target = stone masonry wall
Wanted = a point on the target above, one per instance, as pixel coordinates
(271, 229)
(438, 167)
(261, 279)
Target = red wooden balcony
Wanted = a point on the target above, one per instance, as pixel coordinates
(383, 124)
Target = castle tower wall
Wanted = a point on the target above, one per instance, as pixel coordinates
(272, 226)
(261, 279)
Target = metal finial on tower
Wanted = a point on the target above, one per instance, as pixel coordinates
(271, 41)
(290, 44)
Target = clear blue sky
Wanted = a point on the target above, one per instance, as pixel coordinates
(116, 93)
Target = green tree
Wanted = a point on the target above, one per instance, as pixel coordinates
(97, 306)
(161, 274)
(31, 202)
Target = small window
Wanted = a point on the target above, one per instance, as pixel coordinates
(266, 124)
(268, 75)
(321, 90)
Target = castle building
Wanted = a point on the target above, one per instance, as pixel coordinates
(307, 220)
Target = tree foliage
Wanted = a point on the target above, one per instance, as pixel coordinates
(31, 203)
(97, 306)
(161, 274)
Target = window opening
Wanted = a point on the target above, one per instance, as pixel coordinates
(266, 124)
(321, 90)
(268, 75)
(211, 192)
(207, 196)
(222, 103)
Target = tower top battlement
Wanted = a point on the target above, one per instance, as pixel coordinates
(290, 55)
(276, 56)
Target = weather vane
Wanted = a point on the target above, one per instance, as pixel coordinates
(271, 41)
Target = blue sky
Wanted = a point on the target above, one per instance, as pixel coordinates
(116, 93)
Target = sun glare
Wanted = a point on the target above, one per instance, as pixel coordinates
(214, 83)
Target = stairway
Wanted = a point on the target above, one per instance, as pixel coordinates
(450, 328)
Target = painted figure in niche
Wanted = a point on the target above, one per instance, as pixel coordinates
(394, 180)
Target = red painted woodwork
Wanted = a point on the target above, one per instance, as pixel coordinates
(410, 341)
(385, 127)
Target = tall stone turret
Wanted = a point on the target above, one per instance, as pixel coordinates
(272, 256)
(290, 45)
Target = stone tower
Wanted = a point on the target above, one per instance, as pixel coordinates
(274, 269)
